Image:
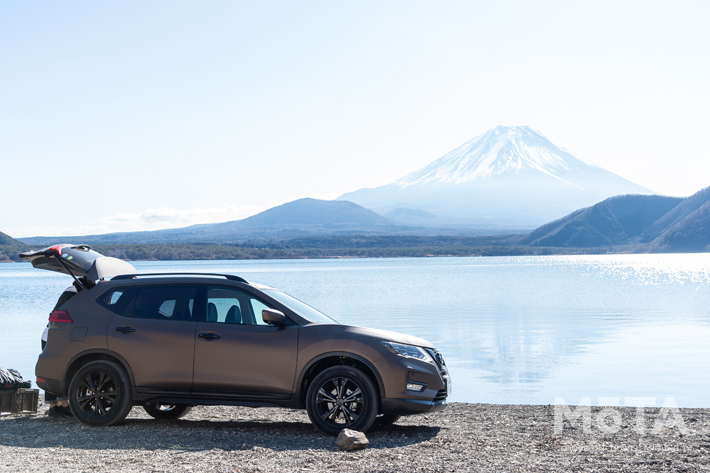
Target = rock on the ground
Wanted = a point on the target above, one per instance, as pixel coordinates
(349, 440)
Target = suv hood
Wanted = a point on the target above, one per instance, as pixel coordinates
(386, 335)
(78, 261)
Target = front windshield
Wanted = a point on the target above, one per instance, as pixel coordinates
(301, 308)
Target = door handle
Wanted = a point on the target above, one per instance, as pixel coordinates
(125, 329)
(209, 336)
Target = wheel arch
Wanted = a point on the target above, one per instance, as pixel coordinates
(87, 357)
(325, 361)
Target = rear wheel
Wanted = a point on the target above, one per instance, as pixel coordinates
(100, 394)
(342, 397)
(167, 411)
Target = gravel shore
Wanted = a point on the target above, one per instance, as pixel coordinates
(464, 437)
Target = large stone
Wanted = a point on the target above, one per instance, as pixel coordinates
(349, 440)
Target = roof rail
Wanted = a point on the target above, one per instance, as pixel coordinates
(231, 277)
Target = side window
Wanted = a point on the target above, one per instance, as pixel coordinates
(164, 303)
(233, 306)
(115, 300)
(257, 306)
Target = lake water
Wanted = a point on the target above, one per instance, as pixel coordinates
(513, 330)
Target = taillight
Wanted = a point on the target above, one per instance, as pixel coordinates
(61, 316)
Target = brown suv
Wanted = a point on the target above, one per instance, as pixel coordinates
(168, 342)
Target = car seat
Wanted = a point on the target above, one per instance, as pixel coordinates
(234, 315)
(211, 312)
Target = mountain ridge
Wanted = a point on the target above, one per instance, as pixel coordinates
(299, 218)
(629, 223)
(645, 222)
(6, 239)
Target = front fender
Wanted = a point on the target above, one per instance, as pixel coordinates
(331, 359)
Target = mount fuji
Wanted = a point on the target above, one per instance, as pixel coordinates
(509, 178)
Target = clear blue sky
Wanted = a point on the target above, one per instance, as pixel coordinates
(133, 115)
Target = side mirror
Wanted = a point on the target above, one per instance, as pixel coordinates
(273, 316)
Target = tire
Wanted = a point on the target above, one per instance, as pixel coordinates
(100, 394)
(342, 397)
(167, 411)
(385, 420)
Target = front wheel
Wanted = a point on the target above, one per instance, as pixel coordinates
(100, 394)
(342, 397)
(167, 411)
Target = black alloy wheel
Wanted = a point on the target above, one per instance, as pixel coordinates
(342, 397)
(100, 394)
(167, 411)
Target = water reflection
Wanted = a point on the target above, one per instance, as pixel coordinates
(513, 330)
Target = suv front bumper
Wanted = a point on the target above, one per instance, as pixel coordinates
(414, 386)
(405, 407)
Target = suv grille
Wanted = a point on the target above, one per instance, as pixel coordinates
(440, 396)
(438, 358)
(436, 355)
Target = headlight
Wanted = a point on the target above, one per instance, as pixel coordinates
(410, 351)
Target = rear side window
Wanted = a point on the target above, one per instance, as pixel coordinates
(164, 303)
(115, 300)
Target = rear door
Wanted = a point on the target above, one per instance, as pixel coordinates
(157, 337)
(237, 354)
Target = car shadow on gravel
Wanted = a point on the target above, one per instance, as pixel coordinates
(193, 435)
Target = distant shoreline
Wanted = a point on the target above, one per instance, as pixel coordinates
(355, 247)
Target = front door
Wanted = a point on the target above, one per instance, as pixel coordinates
(237, 354)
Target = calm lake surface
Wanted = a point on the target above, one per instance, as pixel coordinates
(513, 330)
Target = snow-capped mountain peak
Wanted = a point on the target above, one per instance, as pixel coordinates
(510, 177)
(502, 150)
